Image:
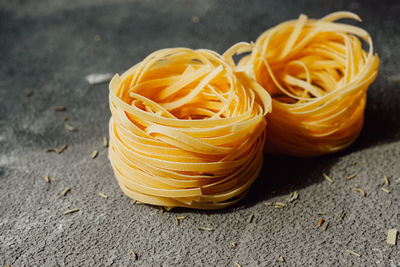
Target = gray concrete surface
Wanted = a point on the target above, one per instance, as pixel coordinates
(48, 47)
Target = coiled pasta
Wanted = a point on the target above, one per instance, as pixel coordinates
(317, 74)
(186, 129)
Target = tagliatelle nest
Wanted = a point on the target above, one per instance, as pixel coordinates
(186, 130)
(317, 74)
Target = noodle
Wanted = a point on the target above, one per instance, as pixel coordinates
(186, 129)
(317, 74)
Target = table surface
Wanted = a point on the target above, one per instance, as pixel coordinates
(48, 48)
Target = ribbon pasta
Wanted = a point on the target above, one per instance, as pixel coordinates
(317, 74)
(187, 130)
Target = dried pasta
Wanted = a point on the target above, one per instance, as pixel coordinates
(187, 129)
(317, 74)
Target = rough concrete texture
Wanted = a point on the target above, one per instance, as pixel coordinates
(48, 47)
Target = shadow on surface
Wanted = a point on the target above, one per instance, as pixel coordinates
(280, 175)
(382, 121)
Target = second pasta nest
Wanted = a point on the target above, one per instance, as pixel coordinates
(318, 75)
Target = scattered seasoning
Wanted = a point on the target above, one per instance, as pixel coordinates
(385, 190)
(250, 219)
(321, 222)
(59, 108)
(62, 149)
(237, 264)
(386, 180)
(161, 208)
(66, 190)
(54, 149)
(29, 94)
(96, 78)
(293, 196)
(267, 203)
(47, 178)
(281, 258)
(233, 244)
(65, 118)
(69, 127)
(178, 219)
(353, 253)
(392, 237)
(320, 213)
(97, 37)
(94, 154)
(342, 216)
(354, 163)
(134, 255)
(195, 19)
(280, 205)
(70, 211)
(351, 176)
(105, 142)
(359, 190)
(329, 179)
(325, 226)
(102, 195)
(206, 229)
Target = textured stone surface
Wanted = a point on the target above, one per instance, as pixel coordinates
(48, 47)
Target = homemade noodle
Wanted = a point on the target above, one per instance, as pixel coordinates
(186, 129)
(317, 74)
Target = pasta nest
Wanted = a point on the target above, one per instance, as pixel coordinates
(318, 75)
(186, 130)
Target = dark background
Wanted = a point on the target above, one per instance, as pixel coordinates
(48, 47)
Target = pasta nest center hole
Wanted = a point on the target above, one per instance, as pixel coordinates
(188, 85)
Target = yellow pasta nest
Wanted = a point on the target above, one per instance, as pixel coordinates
(186, 130)
(317, 74)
